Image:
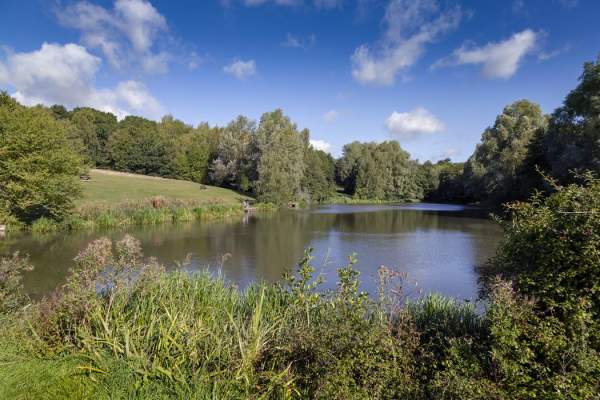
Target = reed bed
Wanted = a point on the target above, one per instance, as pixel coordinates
(151, 211)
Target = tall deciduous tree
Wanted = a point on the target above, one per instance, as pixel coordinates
(491, 172)
(39, 164)
(138, 146)
(237, 153)
(381, 171)
(281, 163)
(573, 138)
(94, 128)
(319, 174)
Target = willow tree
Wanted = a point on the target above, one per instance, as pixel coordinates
(381, 171)
(492, 171)
(281, 158)
(235, 164)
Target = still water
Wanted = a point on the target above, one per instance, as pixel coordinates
(437, 246)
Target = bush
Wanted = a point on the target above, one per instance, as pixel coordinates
(523, 356)
(11, 287)
(551, 249)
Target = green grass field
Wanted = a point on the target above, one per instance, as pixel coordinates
(110, 187)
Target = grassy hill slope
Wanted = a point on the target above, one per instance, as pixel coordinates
(110, 187)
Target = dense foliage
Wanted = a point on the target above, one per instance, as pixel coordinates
(491, 172)
(39, 163)
(379, 171)
(552, 249)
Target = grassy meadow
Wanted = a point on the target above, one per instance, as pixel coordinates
(113, 199)
(111, 187)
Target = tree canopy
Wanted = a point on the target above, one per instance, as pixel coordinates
(39, 163)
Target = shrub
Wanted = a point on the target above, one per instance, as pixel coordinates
(551, 249)
(523, 356)
(11, 287)
(333, 346)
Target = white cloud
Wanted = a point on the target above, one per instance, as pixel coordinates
(64, 74)
(547, 55)
(410, 26)
(241, 69)
(320, 145)
(299, 42)
(125, 35)
(291, 41)
(413, 123)
(498, 60)
(331, 116)
(194, 61)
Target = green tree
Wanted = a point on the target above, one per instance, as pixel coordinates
(236, 161)
(138, 146)
(442, 181)
(281, 158)
(319, 174)
(94, 128)
(491, 172)
(382, 171)
(573, 138)
(39, 165)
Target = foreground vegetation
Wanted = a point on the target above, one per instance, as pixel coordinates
(123, 327)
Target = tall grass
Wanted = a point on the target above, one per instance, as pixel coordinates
(136, 213)
(122, 327)
(149, 212)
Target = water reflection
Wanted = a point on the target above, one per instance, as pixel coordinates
(437, 245)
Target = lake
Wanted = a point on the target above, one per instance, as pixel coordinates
(437, 246)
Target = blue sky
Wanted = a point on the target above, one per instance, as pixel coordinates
(432, 74)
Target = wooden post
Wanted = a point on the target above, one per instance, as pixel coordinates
(2, 230)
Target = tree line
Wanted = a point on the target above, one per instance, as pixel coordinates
(272, 159)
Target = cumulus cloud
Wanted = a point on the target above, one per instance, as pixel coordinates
(320, 145)
(410, 26)
(64, 74)
(498, 59)
(126, 34)
(241, 69)
(411, 124)
(331, 116)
